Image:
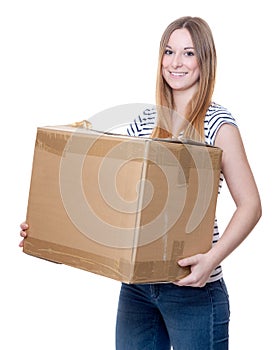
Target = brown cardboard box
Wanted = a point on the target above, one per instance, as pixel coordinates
(123, 207)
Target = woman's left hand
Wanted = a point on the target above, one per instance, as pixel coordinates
(200, 270)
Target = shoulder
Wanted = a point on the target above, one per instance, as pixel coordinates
(216, 116)
(216, 112)
(144, 123)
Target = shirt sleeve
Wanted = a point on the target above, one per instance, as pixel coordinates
(215, 118)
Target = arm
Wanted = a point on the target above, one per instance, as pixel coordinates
(244, 192)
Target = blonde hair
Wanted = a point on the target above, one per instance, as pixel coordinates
(205, 52)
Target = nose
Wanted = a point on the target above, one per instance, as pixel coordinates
(177, 61)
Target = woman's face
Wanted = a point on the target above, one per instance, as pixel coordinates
(179, 65)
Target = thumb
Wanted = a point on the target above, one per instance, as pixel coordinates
(187, 261)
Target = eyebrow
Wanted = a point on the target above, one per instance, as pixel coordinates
(185, 48)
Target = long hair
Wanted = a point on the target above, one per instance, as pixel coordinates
(205, 52)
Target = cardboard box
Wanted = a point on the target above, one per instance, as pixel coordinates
(123, 207)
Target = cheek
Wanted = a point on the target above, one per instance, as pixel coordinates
(164, 70)
(195, 69)
(194, 66)
(197, 73)
(164, 73)
(165, 62)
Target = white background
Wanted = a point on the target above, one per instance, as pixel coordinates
(63, 61)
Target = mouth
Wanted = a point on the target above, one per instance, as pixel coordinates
(178, 74)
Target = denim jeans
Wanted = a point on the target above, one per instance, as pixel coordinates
(158, 316)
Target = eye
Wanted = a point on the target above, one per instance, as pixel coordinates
(168, 52)
(189, 53)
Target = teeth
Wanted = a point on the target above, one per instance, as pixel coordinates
(178, 74)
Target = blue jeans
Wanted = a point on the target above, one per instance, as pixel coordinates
(158, 316)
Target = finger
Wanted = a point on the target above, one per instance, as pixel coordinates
(21, 244)
(186, 261)
(24, 226)
(23, 234)
(189, 281)
(183, 282)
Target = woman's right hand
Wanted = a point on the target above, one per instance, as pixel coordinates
(24, 226)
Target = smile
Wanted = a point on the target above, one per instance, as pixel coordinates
(178, 74)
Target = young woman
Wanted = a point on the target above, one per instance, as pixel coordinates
(192, 313)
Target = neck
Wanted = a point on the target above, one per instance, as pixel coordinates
(181, 101)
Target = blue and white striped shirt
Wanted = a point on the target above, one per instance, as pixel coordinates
(215, 117)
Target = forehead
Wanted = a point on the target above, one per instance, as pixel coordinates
(180, 38)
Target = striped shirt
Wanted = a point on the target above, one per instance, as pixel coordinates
(215, 117)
